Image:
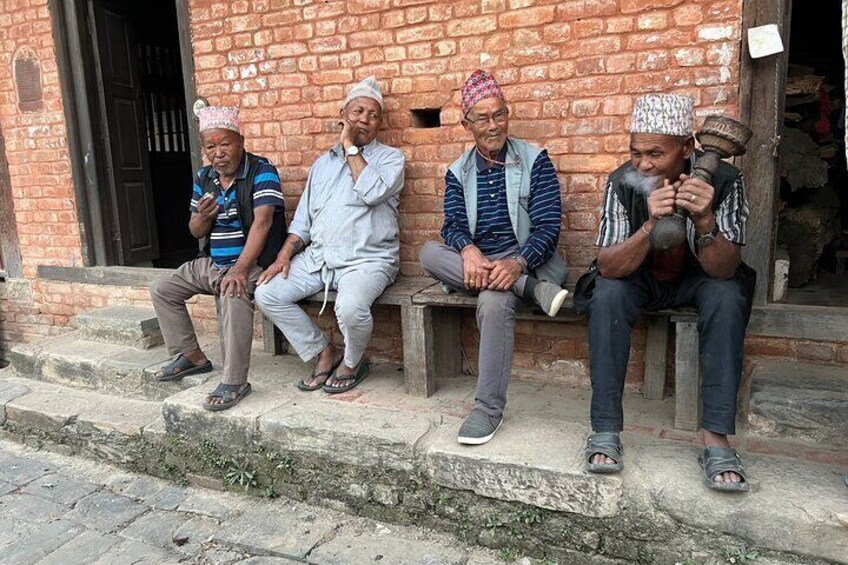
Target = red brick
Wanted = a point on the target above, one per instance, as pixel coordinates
(631, 6)
(527, 17)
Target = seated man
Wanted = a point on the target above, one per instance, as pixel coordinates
(503, 213)
(705, 272)
(237, 212)
(344, 236)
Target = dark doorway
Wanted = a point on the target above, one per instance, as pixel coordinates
(146, 159)
(813, 216)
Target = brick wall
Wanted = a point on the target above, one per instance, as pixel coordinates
(36, 144)
(571, 70)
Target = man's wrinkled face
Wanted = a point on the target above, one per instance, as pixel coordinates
(488, 122)
(657, 155)
(223, 149)
(365, 116)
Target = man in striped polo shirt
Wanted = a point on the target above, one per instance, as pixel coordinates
(706, 272)
(503, 212)
(237, 213)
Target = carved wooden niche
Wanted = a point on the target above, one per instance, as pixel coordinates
(27, 72)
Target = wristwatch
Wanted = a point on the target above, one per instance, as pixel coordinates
(705, 239)
(351, 151)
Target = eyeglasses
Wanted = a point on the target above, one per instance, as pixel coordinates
(482, 121)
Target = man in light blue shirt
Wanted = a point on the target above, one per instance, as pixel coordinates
(344, 237)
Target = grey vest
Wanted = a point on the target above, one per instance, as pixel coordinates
(520, 157)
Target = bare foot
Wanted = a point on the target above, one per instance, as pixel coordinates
(712, 439)
(343, 374)
(600, 458)
(197, 357)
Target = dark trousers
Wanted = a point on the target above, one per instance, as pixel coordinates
(722, 319)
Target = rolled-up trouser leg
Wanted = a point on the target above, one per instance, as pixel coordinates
(169, 295)
(612, 312)
(357, 291)
(235, 330)
(722, 319)
(278, 300)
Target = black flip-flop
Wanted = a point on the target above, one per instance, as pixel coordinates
(349, 380)
(185, 367)
(716, 460)
(326, 374)
(230, 395)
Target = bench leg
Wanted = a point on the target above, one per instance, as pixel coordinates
(273, 341)
(656, 358)
(687, 378)
(431, 347)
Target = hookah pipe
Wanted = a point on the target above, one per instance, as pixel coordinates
(720, 137)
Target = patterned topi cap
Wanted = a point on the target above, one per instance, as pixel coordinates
(367, 88)
(219, 117)
(664, 114)
(479, 86)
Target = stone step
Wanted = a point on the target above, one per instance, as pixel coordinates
(107, 368)
(802, 403)
(377, 452)
(121, 325)
(337, 430)
(111, 424)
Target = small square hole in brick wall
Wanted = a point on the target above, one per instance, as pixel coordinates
(426, 117)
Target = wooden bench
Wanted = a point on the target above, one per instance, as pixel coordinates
(430, 322)
(398, 294)
(439, 315)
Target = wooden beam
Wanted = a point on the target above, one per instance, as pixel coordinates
(687, 378)
(189, 85)
(761, 101)
(10, 248)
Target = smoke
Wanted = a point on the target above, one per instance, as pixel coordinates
(643, 183)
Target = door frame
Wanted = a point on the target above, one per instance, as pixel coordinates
(759, 80)
(79, 87)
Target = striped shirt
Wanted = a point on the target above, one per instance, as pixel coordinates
(227, 239)
(731, 216)
(494, 232)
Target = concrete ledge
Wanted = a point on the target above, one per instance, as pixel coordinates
(71, 361)
(356, 435)
(536, 462)
(121, 325)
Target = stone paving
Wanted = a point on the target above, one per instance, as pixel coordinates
(60, 510)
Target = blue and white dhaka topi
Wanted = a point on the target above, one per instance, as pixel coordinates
(664, 114)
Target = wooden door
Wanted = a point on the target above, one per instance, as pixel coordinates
(125, 141)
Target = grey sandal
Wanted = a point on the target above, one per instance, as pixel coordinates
(716, 460)
(230, 395)
(609, 445)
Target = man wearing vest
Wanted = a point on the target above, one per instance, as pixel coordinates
(503, 212)
(237, 213)
(344, 236)
(705, 271)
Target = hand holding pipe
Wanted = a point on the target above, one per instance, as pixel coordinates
(720, 137)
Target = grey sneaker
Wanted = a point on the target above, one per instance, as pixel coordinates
(478, 428)
(549, 297)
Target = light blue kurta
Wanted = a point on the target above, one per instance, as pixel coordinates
(345, 224)
(351, 233)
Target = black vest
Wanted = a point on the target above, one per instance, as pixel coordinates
(244, 200)
(636, 204)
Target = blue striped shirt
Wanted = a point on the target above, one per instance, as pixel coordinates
(227, 239)
(494, 232)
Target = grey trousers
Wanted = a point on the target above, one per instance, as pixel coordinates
(357, 291)
(495, 321)
(235, 315)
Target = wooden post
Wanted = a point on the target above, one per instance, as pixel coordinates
(762, 92)
(9, 246)
(419, 355)
(656, 358)
(687, 377)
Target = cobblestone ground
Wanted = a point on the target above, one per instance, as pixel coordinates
(63, 510)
